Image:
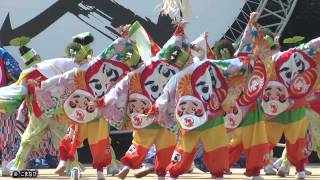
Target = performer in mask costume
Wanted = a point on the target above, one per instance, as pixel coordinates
(135, 95)
(293, 75)
(86, 86)
(12, 96)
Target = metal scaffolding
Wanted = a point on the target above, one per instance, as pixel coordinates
(273, 14)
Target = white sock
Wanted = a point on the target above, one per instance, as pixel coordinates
(125, 168)
(62, 163)
(100, 175)
(161, 178)
(171, 178)
(301, 174)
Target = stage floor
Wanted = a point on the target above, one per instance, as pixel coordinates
(47, 174)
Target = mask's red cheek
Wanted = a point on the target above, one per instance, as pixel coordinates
(72, 104)
(282, 97)
(199, 112)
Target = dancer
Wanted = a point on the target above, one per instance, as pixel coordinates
(193, 97)
(9, 73)
(86, 87)
(250, 136)
(135, 96)
(200, 51)
(292, 78)
(24, 88)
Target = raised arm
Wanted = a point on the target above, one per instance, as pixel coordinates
(166, 106)
(55, 87)
(312, 48)
(116, 102)
(249, 34)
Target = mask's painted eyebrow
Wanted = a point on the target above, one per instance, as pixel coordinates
(148, 83)
(133, 100)
(116, 75)
(160, 68)
(104, 68)
(183, 103)
(269, 88)
(201, 83)
(87, 99)
(195, 104)
(284, 69)
(94, 81)
(76, 96)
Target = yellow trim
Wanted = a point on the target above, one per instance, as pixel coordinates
(254, 134)
(211, 139)
(95, 131)
(292, 131)
(162, 138)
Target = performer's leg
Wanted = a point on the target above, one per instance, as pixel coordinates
(29, 140)
(64, 149)
(235, 146)
(184, 153)
(141, 143)
(148, 163)
(215, 145)
(98, 139)
(296, 143)
(274, 132)
(284, 165)
(165, 144)
(7, 141)
(256, 147)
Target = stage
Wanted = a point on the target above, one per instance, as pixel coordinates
(46, 174)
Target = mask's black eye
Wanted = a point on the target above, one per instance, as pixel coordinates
(288, 75)
(98, 86)
(113, 74)
(205, 89)
(155, 88)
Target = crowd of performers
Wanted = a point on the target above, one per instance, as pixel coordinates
(183, 101)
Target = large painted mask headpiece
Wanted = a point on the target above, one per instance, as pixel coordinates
(154, 78)
(209, 86)
(297, 71)
(80, 106)
(138, 106)
(103, 74)
(190, 112)
(275, 98)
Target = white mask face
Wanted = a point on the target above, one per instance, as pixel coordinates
(80, 107)
(206, 83)
(234, 118)
(137, 109)
(101, 82)
(275, 98)
(156, 82)
(190, 112)
(296, 65)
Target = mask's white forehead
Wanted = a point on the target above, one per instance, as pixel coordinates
(208, 77)
(107, 75)
(155, 82)
(292, 66)
(294, 59)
